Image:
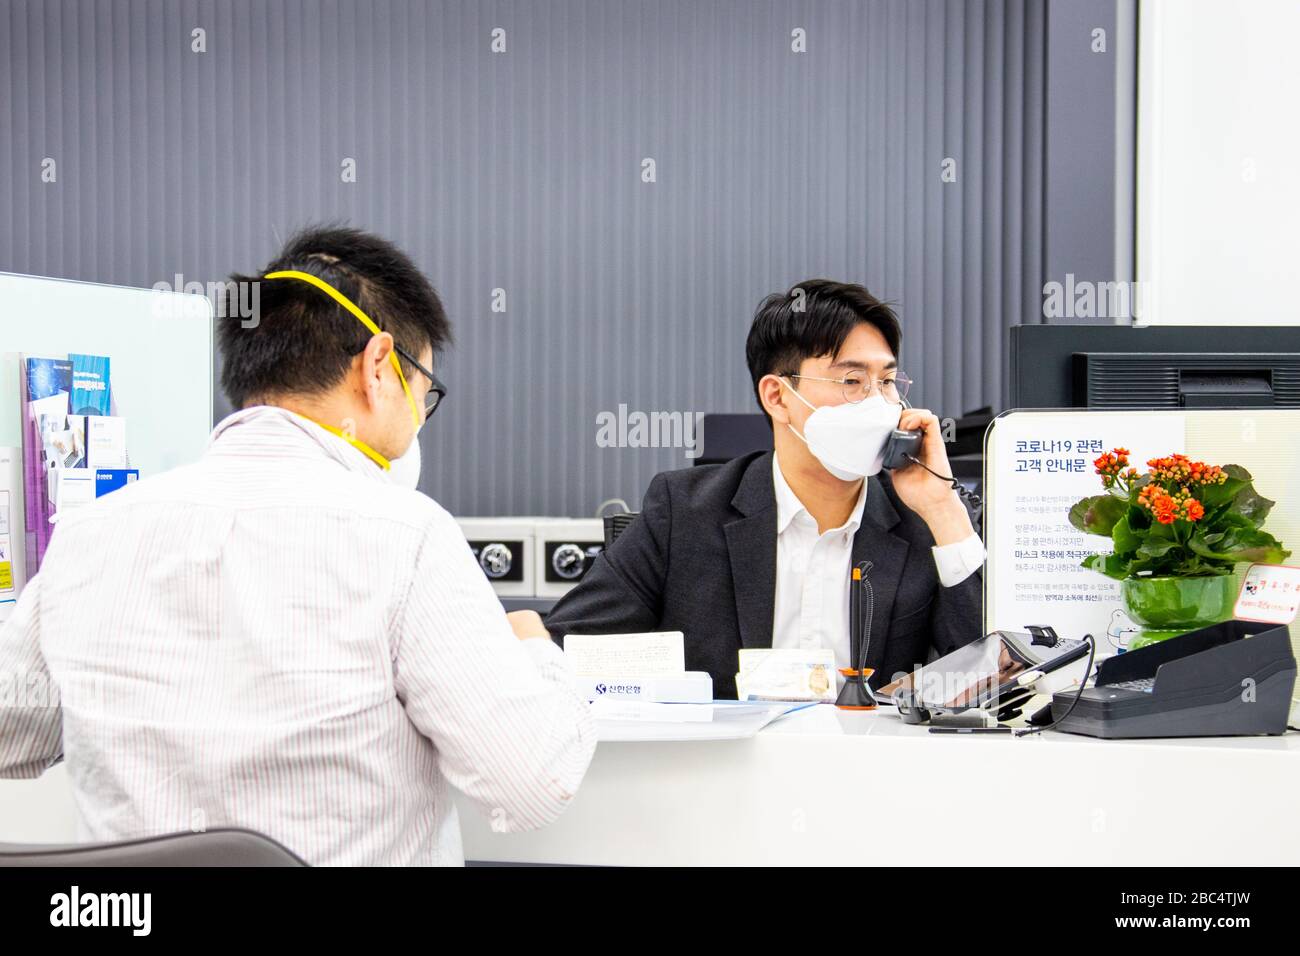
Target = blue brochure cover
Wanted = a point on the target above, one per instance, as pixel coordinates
(111, 479)
(91, 392)
(47, 377)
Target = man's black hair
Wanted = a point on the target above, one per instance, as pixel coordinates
(812, 319)
(302, 342)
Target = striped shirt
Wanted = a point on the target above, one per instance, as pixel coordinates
(278, 637)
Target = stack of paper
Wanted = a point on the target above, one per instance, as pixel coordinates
(647, 667)
(625, 721)
(640, 690)
(657, 653)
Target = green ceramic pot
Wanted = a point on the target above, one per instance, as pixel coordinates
(1168, 606)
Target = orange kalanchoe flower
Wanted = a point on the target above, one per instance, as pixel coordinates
(1167, 508)
(1111, 465)
(1158, 501)
(1170, 468)
(1182, 469)
(1204, 474)
(1168, 493)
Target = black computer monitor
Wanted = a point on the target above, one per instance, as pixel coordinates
(1121, 366)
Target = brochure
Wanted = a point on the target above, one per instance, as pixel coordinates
(90, 393)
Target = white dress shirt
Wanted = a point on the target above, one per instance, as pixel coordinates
(811, 609)
(278, 637)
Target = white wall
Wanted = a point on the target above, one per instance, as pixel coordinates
(1218, 191)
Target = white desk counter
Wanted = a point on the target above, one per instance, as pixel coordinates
(824, 785)
(830, 786)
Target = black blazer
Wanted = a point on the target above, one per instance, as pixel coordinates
(701, 559)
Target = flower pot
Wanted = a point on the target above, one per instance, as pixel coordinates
(1169, 606)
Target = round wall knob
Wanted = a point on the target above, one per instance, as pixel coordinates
(495, 560)
(567, 560)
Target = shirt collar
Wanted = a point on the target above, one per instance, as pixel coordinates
(789, 507)
(272, 431)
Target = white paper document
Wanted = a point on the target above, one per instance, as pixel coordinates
(656, 654)
(631, 721)
(609, 709)
(71, 488)
(106, 442)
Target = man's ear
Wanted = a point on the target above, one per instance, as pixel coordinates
(374, 360)
(771, 391)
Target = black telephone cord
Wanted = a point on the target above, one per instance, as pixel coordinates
(963, 492)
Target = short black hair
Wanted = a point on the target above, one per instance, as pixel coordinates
(812, 319)
(302, 342)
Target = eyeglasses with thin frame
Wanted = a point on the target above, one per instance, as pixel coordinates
(858, 386)
(437, 391)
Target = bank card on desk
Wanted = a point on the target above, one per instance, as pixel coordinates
(786, 674)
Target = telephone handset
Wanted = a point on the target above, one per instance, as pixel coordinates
(903, 448)
(899, 445)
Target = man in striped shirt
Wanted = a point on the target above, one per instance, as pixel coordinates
(286, 635)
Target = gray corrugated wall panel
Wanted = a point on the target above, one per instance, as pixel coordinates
(1033, 116)
(992, 180)
(521, 171)
(1081, 142)
(1013, 154)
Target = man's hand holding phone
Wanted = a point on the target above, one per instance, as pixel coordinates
(933, 499)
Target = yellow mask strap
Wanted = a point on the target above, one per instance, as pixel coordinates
(358, 444)
(365, 320)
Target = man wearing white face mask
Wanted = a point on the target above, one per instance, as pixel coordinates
(287, 636)
(758, 552)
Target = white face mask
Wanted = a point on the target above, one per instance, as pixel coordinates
(849, 440)
(405, 469)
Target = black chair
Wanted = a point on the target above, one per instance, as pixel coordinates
(616, 524)
(727, 436)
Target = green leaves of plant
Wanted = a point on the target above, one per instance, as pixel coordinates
(1239, 545)
(1249, 503)
(1098, 514)
(1214, 495)
(1125, 538)
(1111, 565)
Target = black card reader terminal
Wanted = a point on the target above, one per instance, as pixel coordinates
(1233, 678)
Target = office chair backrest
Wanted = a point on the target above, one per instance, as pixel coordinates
(727, 436)
(219, 847)
(616, 524)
